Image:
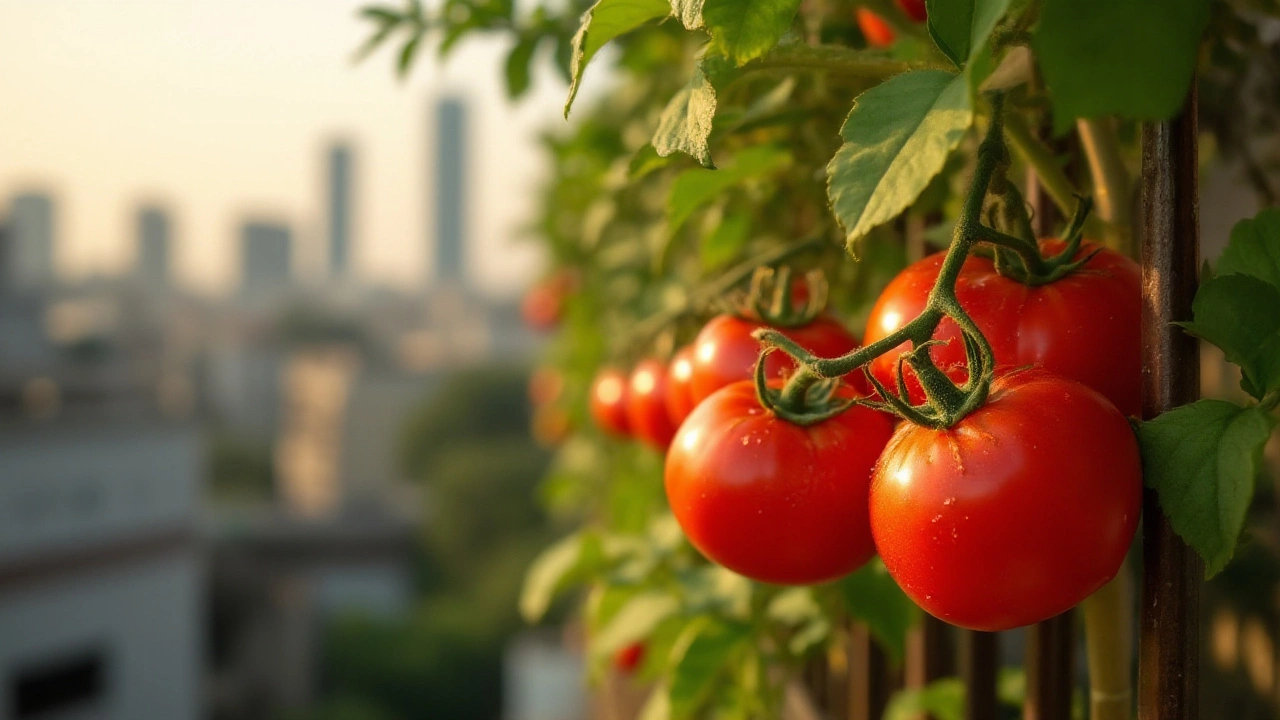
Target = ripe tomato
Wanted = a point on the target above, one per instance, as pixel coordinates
(679, 397)
(543, 305)
(628, 658)
(874, 28)
(772, 500)
(608, 403)
(1086, 326)
(724, 351)
(914, 9)
(647, 404)
(1016, 513)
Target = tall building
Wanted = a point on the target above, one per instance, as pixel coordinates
(340, 169)
(30, 244)
(151, 263)
(451, 197)
(266, 259)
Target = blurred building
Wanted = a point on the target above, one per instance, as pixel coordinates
(152, 257)
(451, 197)
(29, 257)
(340, 211)
(266, 257)
(100, 576)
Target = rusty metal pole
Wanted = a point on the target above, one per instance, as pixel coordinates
(1169, 642)
(979, 666)
(869, 682)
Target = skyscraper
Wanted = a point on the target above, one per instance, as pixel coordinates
(30, 243)
(340, 170)
(151, 262)
(266, 259)
(451, 199)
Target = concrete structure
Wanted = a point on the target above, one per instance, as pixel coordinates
(153, 251)
(266, 257)
(29, 261)
(99, 573)
(451, 196)
(340, 211)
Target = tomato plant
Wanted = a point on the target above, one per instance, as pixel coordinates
(1014, 514)
(772, 500)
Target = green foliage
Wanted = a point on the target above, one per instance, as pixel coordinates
(685, 124)
(1254, 249)
(606, 20)
(1241, 315)
(743, 30)
(942, 699)
(960, 28)
(873, 597)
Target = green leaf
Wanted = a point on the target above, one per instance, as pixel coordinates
(694, 188)
(645, 161)
(706, 658)
(1254, 248)
(689, 12)
(799, 610)
(897, 137)
(551, 568)
(518, 65)
(743, 30)
(1133, 58)
(726, 242)
(1202, 460)
(633, 622)
(872, 596)
(961, 27)
(606, 20)
(1241, 315)
(685, 123)
(407, 54)
(658, 705)
(941, 699)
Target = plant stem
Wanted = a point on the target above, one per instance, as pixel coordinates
(1034, 153)
(1110, 181)
(867, 64)
(1108, 628)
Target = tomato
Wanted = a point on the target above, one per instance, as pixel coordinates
(647, 404)
(679, 397)
(724, 351)
(628, 658)
(1015, 514)
(874, 28)
(772, 500)
(608, 403)
(551, 425)
(543, 305)
(1086, 326)
(914, 9)
(546, 384)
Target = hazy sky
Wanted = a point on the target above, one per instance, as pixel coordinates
(221, 109)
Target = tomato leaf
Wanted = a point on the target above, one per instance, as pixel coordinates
(696, 187)
(799, 610)
(872, 596)
(606, 20)
(704, 659)
(897, 138)
(942, 699)
(689, 12)
(1254, 248)
(1133, 58)
(743, 30)
(685, 123)
(961, 27)
(633, 622)
(552, 568)
(517, 68)
(1241, 315)
(1202, 460)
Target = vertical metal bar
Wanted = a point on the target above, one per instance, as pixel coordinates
(1168, 644)
(979, 663)
(869, 684)
(930, 653)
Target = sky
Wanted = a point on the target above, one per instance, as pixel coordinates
(222, 110)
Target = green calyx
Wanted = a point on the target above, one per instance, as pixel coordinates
(1013, 246)
(804, 404)
(774, 297)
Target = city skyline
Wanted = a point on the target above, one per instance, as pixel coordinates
(236, 126)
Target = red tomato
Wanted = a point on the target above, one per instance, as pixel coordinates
(1086, 326)
(609, 402)
(724, 351)
(772, 500)
(874, 28)
(1016, 513)
(679, 397)
(914, 9)
(542, 307)
(628, 658)
(647, 404)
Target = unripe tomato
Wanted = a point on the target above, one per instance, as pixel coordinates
(551, 425)
(545, 386)
(874, 28)
(724, 351)
(915, 9)
(772, 500)
(1086, 326)
(628, 658)
(647, 404)
(1015, 514)
(608, 402)
(679, 397)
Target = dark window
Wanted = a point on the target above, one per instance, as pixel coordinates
(67, 682)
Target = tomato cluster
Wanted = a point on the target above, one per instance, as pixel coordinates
(1011, 515)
